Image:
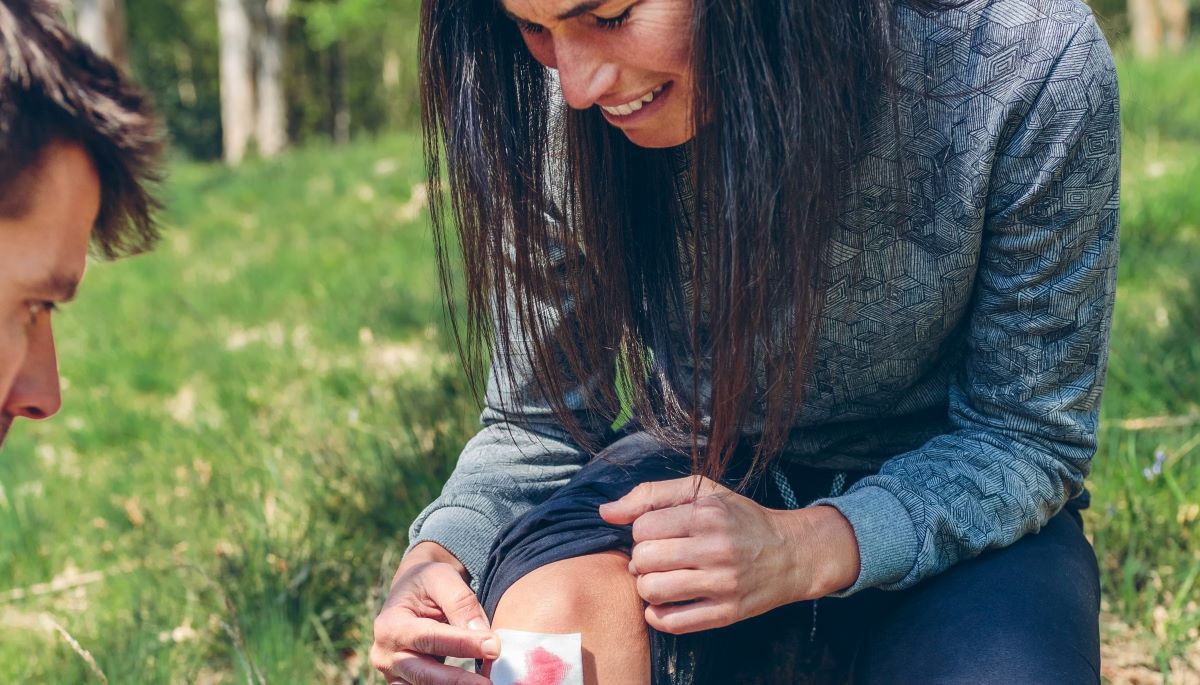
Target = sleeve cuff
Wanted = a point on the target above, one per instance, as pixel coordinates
(887, 538)
(465, 533)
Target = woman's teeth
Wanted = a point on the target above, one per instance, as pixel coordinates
(631, 107)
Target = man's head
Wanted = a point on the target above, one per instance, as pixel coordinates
(79, 154)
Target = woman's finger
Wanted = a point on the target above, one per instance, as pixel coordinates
(655, 556)
(656, 495)
(419, 669)
(673, 522)
(682, 586)
(692, 617)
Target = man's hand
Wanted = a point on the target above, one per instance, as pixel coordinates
(707, 557)
(429, 614)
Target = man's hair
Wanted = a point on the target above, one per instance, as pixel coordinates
(54, 88)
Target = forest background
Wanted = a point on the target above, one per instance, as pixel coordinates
(256, 411)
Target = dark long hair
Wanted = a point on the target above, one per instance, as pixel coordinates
(559, 215)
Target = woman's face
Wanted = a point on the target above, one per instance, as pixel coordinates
(630, 58)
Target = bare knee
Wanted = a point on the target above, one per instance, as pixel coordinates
(571, 593)
(594, 595)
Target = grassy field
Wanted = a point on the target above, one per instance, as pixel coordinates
(1146, 521)
(256, 411)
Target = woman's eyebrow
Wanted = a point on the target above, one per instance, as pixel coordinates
(581, 8)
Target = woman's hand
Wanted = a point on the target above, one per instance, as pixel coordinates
(707, 557)
(429, 614)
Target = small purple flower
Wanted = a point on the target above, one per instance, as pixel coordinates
(1155, 469)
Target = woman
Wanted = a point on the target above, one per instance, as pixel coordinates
(850, 266)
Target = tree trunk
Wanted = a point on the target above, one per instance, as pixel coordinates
(339, 104)
(1147, 19)
(1175, 17)
(237, 84)
(1145, 28)
(272, 107)
(101, 24)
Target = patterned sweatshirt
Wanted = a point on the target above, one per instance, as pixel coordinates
(962, 349)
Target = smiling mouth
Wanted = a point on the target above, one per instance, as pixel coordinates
(632, 106)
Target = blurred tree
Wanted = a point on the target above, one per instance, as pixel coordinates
(360, 58)
(253, 104)
(346, 67)
(1157, 23)
(271, 129)
(237, 80)
(173, 50)
(101, 24)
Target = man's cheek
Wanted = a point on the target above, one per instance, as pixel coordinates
(5, 423)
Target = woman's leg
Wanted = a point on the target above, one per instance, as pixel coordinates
(1027, 613)
(561, 568)
(593, 595)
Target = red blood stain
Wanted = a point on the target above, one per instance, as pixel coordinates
(544, 668)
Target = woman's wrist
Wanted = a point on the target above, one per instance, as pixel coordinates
(823, 551)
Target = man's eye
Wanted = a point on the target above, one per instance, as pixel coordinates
(36, 309)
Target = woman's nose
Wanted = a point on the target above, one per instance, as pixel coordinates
(36, 393)
(582, 73)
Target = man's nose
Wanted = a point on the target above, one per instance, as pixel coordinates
(583, 74)
(36, 393)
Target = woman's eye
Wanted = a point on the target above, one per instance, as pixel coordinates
(614, 22)
(602, 22)
(527, 27)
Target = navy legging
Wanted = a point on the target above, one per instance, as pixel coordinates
(1027, 613)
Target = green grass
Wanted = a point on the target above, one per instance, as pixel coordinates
(1147, 529)
(256, 411)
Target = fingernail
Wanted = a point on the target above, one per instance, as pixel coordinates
(491, 648)
(477, 624)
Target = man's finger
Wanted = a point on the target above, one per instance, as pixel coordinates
(656, 495)
(454, 597)
(419, 669)
(426, 636)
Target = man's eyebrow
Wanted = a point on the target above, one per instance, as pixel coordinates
(581, 8)
(57, 286)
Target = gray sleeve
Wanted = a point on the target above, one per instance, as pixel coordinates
(1025, 403)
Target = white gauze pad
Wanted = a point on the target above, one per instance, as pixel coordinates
(538, 659)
